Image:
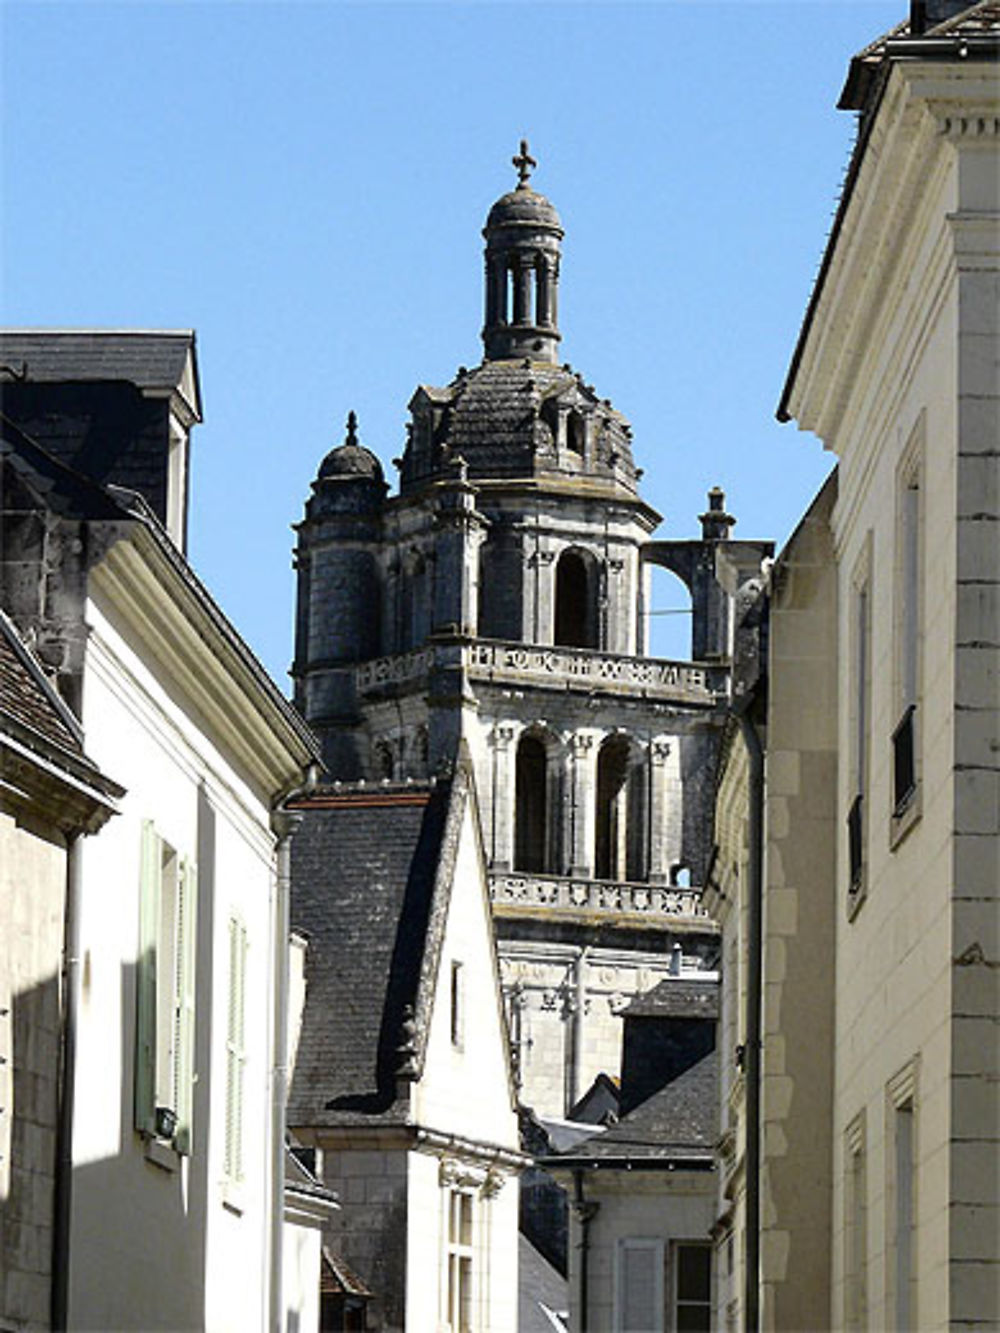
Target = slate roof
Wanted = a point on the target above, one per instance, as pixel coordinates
(364, 864)
(679, 1122)
(151, 359)
(27, 697)
(677, 997)
(542, 1292)
(493, 417)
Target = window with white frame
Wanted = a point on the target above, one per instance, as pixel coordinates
(460, 1274)
(692, 1287)
(236, 1055)
(639, 1295)
(165, 992)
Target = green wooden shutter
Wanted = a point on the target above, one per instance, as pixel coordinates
(184, 998)
(235, 1050)
(145, 1024)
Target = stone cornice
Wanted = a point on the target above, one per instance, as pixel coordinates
(927, 109)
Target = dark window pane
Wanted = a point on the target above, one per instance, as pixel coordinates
(694, 1273)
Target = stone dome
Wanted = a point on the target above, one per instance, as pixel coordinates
(523, 207)
(350, 460)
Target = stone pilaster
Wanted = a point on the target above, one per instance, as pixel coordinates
(580, 810)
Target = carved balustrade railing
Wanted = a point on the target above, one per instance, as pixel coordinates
(510, 889)
(532, 664)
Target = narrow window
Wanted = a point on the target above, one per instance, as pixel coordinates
(457, 1004)
(460, 1271)
(903, 1218)
(908, 642)
(576, 433)
(855, 1227)
(236, 1056)
(530, 806)
(692, 1288)
(861, 704)
(165, 992)
(639, 1286)
(576, 619)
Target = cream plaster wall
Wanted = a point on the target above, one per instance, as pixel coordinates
(158, 1243)
(465, 1086)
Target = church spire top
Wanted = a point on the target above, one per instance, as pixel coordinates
(522, 233)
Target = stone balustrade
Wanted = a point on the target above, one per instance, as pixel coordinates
(534, 665)
(601, 896)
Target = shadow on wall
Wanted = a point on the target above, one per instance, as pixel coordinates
(27, 1176)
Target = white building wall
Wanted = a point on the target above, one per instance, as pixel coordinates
(153, 1242)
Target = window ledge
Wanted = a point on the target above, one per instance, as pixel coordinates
(903, 820)
(162, 1154)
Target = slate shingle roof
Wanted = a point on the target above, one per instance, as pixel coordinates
(679, 1121)
(363, 874)
(27, 698)
(495, 417)
(677, 997)
(150, 359)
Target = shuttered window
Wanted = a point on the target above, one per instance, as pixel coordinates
(640, 1286)
(235, 1050)
(165, 992)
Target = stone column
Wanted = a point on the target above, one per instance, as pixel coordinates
(665, 808)
(580, 809)
(543, 313)
(501, 799)
(522, 289)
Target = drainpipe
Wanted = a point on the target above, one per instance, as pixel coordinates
(284, 822)
(586, 1210)
(752, 1065)
(62, 1202)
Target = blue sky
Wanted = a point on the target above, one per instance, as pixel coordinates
(304, 184)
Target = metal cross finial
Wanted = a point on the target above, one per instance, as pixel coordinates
(524, 162)
(352, 428)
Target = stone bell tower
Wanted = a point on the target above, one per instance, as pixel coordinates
(500, 599)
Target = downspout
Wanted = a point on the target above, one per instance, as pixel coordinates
(63, 1193)
(284, 822)
(585, 1210)
(752, 1065)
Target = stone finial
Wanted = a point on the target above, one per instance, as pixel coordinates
(525, 165)
(352, 428)
(715, 522)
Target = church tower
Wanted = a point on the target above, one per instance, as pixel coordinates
(500, 600)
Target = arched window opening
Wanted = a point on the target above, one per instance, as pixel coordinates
(668, 616)
(576, 612)
(680, 875)
(576, 433)
(620, 851)
(530, 806)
